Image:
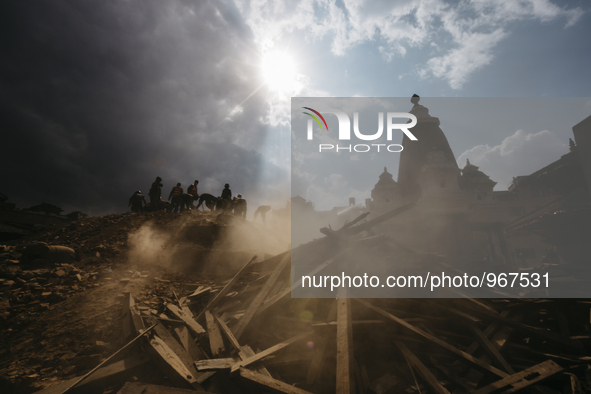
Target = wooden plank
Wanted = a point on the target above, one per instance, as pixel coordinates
(184, 337)
(260, 297)
(126, 330)
(491, 350)
(425, 373)
(216, 342)
(174, 345)
(215, 364)
(269, 351)
(468, 357)
(228, 333)
(473, 377)
(539, 332)
(225, 290)
(170, 364)
(245, 353)
(186, 315)
(523, 379)
(137, 323)
(345, 383)
(269, 384)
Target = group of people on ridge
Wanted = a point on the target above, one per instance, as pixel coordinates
(179, 200)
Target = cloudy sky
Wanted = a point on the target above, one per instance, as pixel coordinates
(99, 97)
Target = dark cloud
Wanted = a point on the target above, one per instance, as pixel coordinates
(98, 98)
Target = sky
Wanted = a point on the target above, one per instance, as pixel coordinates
(97, 98)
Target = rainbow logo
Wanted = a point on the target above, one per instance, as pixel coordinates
(315, 118)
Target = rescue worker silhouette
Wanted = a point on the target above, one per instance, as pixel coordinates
(227, 193)
(137, 202)
(239, 206)
(155, 194)
(226, 199)
(176, 199)
(191, 195)
(263, 209)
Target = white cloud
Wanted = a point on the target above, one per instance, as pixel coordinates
(467, 32)
(519, 154)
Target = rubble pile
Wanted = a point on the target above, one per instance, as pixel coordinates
(139, 329)
(248, 336)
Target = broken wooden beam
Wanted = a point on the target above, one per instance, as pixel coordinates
(452, 349)
(215, 364)
(216, 343)
(267, 383)
(260, 297)
(186, 315)
(269, 351)
(523, 379)
(345, 382)
(219, 296)
(425, 373)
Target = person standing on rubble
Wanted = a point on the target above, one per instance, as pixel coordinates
(226, 198)
(137, 202)
(176, 199)
(156, 193)
(191, 195)
(227, 193)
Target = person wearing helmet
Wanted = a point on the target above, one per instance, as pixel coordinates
(156, 194)
(137, 202)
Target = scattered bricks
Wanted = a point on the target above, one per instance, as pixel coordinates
(79, 277)
(60, 273)
(46, 293)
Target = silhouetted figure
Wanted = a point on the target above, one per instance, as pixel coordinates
(210, 201)
(191, 195)
(137, 202)
(227, 193)
(176, 199)
(155, 194)
(239, 206)
(262, 210)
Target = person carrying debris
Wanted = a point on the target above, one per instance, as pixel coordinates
(155, 193)
(176, 199)
(263, 209)
(137, 202)
(191, 195)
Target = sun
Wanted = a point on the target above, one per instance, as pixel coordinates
(279, 71)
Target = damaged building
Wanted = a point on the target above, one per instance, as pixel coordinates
(542, 217)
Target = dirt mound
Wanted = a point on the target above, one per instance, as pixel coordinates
(59, 289)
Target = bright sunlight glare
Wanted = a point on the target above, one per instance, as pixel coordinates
(279, 71)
